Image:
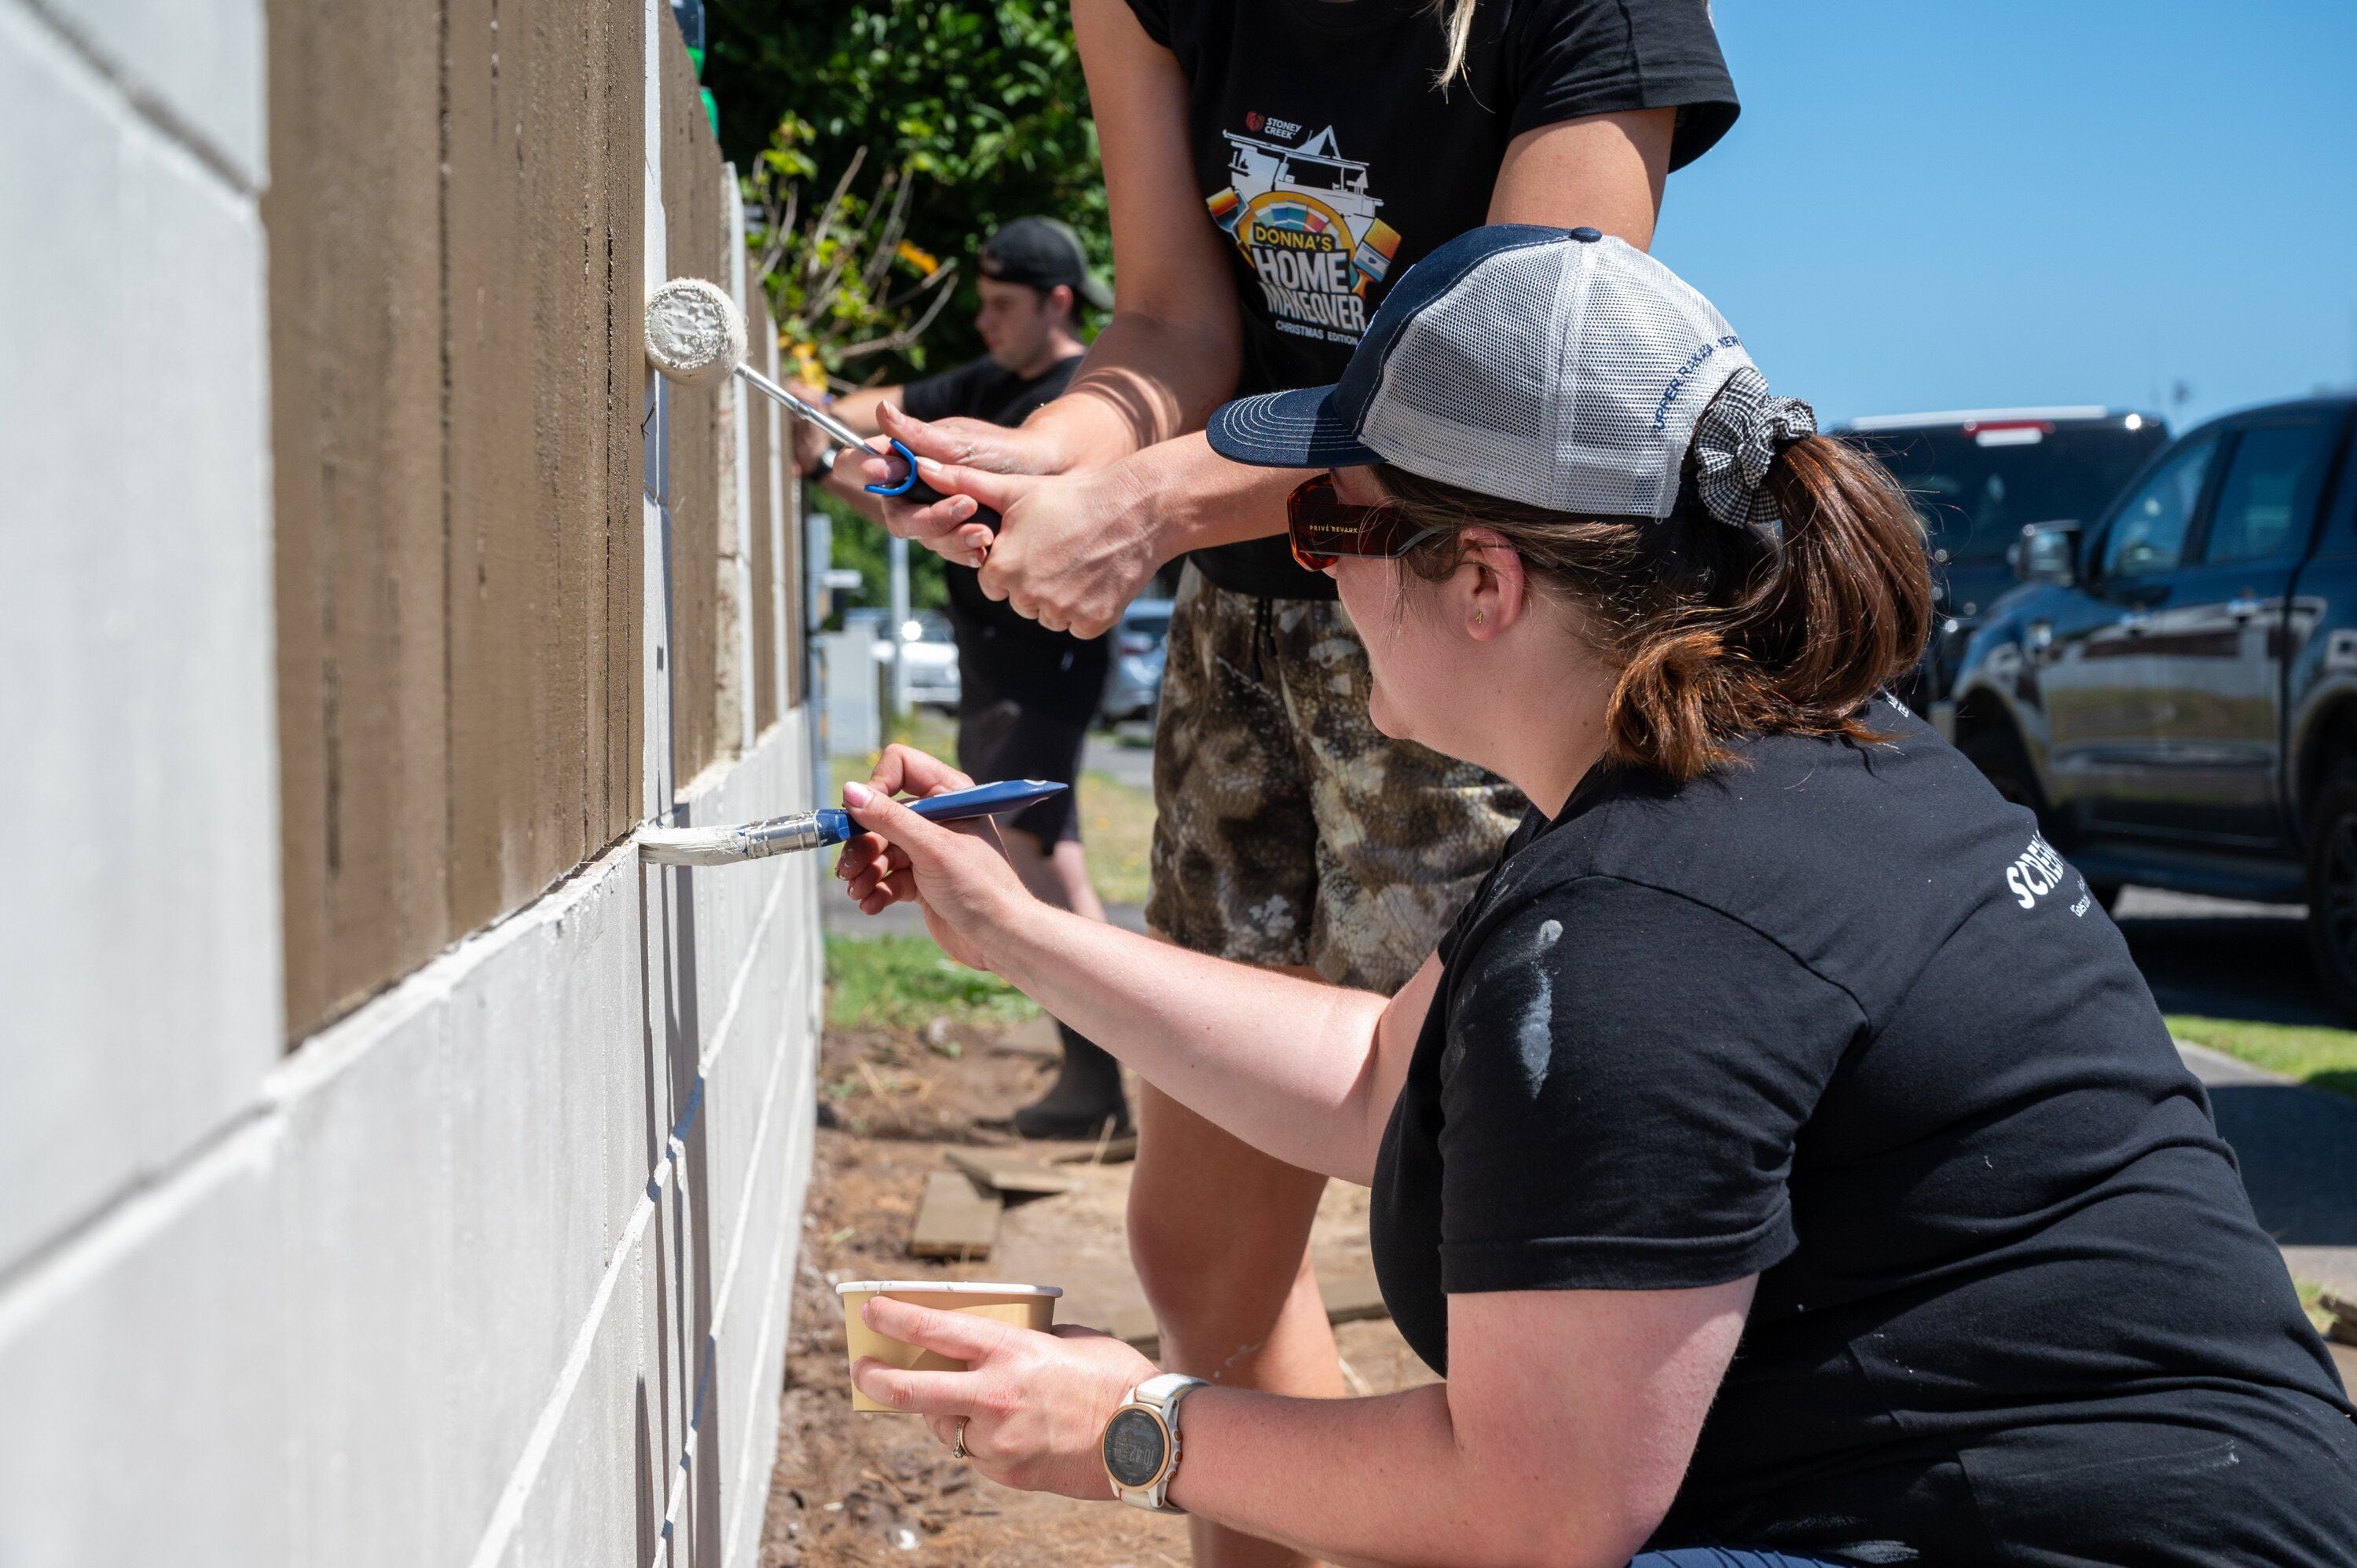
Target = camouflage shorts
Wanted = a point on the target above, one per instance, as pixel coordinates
(1287, 830)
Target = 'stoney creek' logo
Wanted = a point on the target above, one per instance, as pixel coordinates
(1305, 220)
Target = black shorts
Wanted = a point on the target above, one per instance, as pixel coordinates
(1005, 731)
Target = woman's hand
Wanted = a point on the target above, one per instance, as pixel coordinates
(957, 871)
(1072, 551)
(1034, 1404)
(950, 452)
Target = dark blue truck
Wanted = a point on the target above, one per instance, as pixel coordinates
(1975, 477)
(2173, 685)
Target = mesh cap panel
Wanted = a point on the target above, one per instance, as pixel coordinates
(1566, 375)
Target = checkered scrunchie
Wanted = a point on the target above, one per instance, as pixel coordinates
(1735, 439)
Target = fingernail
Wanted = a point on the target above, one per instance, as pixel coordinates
(855, 794)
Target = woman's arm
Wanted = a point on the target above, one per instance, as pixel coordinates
(1604, 170)
(1169, 354)
(1305, 1071)
(1560, 1437)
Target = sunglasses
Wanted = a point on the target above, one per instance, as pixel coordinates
(1322, 527)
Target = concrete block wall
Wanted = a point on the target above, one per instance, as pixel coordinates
(493, 1270)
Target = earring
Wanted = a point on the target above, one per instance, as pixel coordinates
(1481, 616)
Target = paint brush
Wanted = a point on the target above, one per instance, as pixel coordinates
(828, 825)
(695, 335)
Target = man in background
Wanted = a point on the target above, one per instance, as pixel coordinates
(1027, 694)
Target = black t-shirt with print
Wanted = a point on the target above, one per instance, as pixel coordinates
(1331, 162)
(1839, 1017)
(1014, 655)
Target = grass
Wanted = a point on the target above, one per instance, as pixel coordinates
(1118, 824)
(905, 983)
(1117, 827)
(2311, 1301)
(2320, 1057)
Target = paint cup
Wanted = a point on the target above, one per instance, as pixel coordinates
(1026, 1306)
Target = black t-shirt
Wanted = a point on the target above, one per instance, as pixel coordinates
(1840, 1018)
(1332, 162)
(999, 650)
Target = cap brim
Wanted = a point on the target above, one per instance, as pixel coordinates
(1095, 292)
(1288, 430)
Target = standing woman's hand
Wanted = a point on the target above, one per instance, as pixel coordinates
(1071, 550)
(948, 451)
(1034, 1405)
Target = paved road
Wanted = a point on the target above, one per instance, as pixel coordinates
(1128, 757)
(2223, 959)
(2298, 1146)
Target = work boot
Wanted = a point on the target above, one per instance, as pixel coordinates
(1086, 1095)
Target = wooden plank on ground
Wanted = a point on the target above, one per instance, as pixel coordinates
(1006, 1173)
(1035, 1036)
(2344, 1317)
(956, 1219)
(1109, 1151)
(1349, 1298)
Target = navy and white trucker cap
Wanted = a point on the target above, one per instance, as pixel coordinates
(1560, 367)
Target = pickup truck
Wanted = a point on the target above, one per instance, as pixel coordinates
(1976, 476)
(2173, 685)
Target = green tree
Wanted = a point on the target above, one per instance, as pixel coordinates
(966, 113)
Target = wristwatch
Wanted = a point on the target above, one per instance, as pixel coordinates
(1140, 1445)
(823, 465)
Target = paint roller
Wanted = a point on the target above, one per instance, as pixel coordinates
(695, 335)
(828, 825)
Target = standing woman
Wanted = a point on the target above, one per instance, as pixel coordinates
(1273, 168)
(1781, 1150)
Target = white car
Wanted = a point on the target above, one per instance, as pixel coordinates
(928, 652)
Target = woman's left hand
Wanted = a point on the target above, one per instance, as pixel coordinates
(1034, 1404)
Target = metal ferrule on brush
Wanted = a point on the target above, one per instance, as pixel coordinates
(745, 841)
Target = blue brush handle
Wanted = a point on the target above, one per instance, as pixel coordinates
(835, 826)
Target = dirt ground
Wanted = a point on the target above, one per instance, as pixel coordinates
(861, 1489)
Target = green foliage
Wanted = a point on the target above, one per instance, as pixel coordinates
(970, 112)
(904, 982)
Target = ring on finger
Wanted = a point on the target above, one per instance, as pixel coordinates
(961, 1451)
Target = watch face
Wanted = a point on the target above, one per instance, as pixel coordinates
(1134, 1447)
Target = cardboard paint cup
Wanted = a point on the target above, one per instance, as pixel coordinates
(1026, 1306)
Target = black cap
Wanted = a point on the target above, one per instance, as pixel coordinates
(1043, 253)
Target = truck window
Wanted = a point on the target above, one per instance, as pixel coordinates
(1974, 498)
(2148, 535)
(2269, 491)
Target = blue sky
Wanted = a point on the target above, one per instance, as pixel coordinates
(1930, 206)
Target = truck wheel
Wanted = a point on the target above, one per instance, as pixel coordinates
(1998, 753)
(2333, 887)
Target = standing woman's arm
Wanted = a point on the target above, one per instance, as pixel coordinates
(1604, 170)
(1170, 353)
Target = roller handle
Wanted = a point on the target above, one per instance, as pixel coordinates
(916, 492)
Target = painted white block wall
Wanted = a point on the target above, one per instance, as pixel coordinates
(139, 919)
(494, 1270)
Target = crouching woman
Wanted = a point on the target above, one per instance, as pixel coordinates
(1764, 1168)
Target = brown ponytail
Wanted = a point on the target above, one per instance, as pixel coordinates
(1717, 633)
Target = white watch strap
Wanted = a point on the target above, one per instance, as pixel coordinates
(1157, 1390)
